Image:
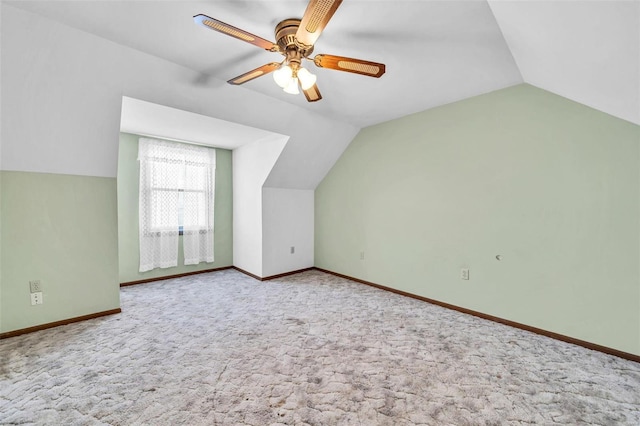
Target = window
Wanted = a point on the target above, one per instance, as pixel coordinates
(177, 190)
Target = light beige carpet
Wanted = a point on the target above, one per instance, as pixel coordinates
(224, 349)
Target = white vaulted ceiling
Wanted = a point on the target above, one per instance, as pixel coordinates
(585, 51)
(436, 52)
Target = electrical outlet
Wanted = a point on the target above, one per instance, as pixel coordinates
(464, 273)
(361, 255)
(36, 298)
(35, 286)
(293, 249)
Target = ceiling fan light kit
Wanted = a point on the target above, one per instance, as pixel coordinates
(295, 41)
(282, 76)
(292, 87)
(307, 80)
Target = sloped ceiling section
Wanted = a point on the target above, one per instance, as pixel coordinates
(586, 51)
(436, 52)
(62, 94)
(149, 119)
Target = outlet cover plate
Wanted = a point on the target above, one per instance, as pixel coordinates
(36, 298)
(35, 286)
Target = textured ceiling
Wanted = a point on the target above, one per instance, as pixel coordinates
(436, 52)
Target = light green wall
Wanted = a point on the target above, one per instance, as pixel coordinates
(61, 230)
(549, 184)
(128, 242)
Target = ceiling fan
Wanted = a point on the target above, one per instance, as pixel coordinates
(295, 40)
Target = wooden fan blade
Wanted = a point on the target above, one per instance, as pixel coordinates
(315, 18)
(258, 72)
(312, 94)
(358, 66)
(214, 24)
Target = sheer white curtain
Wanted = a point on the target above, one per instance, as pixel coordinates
(160, 167)
(177, 183)
(199, 195)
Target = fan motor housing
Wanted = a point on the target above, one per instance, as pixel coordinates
(286, 37)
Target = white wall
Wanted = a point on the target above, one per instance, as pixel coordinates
(287, 220)
(251, 166)
(61, 99)
(62, 92)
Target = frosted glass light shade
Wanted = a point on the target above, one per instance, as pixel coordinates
(307, 80)
(292, 88)
(283, 75)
